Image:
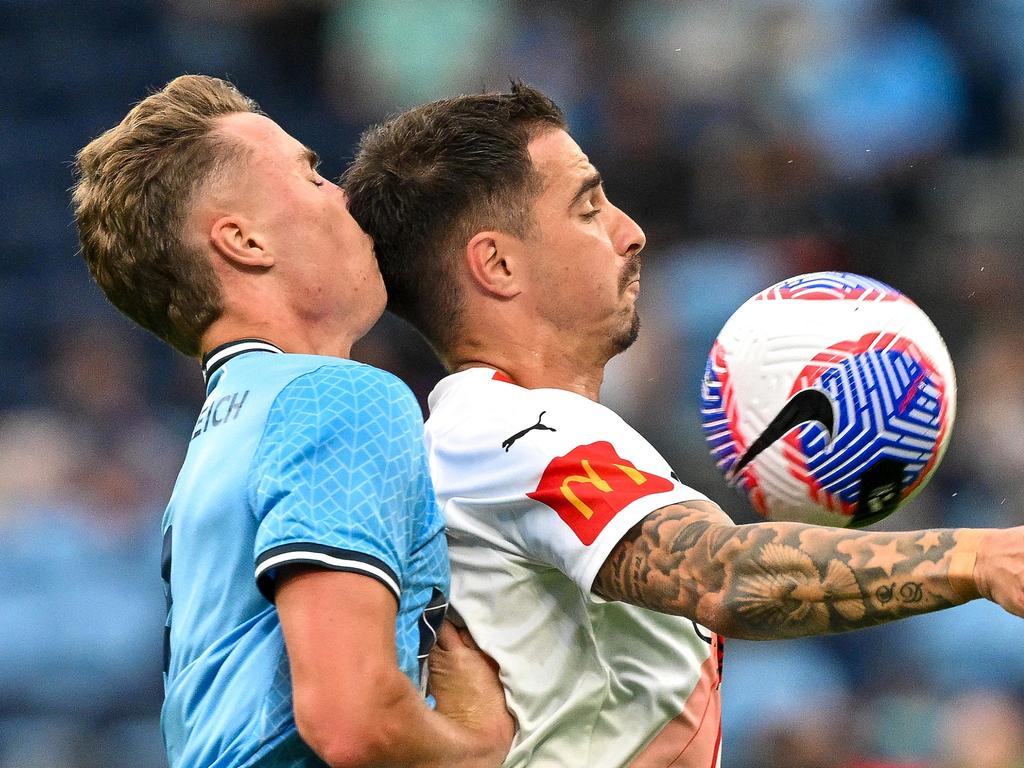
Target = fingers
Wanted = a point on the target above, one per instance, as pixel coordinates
(467, 639)
(448, 637)
(451, 637)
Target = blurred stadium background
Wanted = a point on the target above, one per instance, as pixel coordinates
(752, 140)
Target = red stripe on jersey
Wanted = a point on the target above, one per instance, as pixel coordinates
(499, 376)
(694, 737)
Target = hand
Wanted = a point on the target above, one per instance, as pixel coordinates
(464, 681)
(999, 568)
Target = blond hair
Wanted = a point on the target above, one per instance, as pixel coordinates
(134, 190)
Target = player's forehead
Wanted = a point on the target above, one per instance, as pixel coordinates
(261, 134)
(559, 159)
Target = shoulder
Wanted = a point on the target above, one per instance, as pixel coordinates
(324, 372)
(342, 413)
(331, 393)
(497, 434)
(330, 379)
(475, 402)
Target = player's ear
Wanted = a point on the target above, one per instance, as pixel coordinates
(235, 240)
(491, 258)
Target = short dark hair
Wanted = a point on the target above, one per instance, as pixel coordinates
(426, 181)
(135, 186)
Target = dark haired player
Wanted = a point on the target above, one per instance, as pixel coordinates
(496, 239)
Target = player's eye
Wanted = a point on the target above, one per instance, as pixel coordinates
(591, 214)
(314, 165)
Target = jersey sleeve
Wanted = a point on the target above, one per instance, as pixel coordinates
(562, 496)
(333, 475)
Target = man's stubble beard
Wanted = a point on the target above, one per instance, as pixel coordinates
(625, 338)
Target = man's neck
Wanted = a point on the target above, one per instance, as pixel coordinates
(533, 368)
(290, 337)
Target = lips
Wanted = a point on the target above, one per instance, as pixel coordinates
(632, 272)
(635, 279)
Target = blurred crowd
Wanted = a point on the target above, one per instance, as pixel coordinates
(752, 140)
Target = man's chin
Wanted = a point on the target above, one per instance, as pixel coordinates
(625, 338)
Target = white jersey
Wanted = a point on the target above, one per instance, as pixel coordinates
(537, 487)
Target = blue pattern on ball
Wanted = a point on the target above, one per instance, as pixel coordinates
(887, 406)
(844, 281)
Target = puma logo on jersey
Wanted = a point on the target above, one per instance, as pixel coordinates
(506, 444)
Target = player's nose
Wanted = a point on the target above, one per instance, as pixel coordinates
(630, 237)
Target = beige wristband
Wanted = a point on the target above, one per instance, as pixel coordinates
(961, 562)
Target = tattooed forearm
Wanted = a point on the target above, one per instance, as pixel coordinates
(773, 580)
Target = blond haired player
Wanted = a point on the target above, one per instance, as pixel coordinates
(580, 562)
(304, 561)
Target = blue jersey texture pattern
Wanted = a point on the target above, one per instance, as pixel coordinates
(294, 460)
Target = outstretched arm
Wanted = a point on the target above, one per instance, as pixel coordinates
(778, 580)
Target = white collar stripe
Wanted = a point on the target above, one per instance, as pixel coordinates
(230, 350)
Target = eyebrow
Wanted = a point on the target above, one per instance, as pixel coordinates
(589, 183)
(307, 155)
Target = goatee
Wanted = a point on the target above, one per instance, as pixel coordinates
(624, 340)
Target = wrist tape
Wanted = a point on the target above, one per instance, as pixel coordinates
(962, 560)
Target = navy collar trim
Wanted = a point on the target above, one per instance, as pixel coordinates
(217, 356)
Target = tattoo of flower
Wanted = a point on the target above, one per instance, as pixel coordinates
(789, 590)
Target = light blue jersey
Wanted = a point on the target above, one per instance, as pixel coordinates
(295, 459)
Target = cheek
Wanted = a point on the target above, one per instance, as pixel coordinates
(355, 245)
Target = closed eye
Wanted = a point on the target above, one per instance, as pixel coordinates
(310, 157)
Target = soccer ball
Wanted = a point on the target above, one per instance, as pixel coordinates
(828, 398)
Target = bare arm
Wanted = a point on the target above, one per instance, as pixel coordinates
(354, 706)
(778, 580)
